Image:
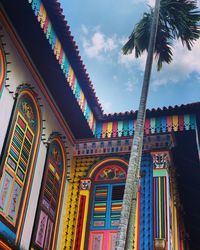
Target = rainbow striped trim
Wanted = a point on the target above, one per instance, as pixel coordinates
(152, 125)
(107, 129)
(46, 25)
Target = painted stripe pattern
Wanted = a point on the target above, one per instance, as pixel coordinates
(107, 206)
(47, 27)
(160, 202)
(146, 204)
(152, 125)
(15, 169)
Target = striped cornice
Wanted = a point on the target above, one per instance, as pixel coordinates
(68, 71)
(153, 125)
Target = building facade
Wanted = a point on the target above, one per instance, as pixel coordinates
(63, 162)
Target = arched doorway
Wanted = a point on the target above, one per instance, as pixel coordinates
(108, 182)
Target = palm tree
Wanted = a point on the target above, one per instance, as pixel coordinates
(170, 20)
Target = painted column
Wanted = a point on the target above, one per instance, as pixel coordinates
(85, 185)
(33, 200)
(161, 163)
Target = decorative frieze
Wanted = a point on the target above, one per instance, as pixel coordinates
(161, 160)
(123, 145)
(153, 125)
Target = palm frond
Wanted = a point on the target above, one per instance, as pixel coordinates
(179, 19)
(139, 38)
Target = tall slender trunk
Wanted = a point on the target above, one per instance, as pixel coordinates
(132, 181)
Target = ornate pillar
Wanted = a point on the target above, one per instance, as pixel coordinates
(161, 163)
(85, 185)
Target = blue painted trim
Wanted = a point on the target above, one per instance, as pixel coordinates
(108, 208)
(146, 204)
(6, 232)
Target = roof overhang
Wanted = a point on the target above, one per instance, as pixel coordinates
(33, 39)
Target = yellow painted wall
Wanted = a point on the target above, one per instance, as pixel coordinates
(80, 168)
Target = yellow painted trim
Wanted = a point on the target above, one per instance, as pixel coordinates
(175, 122)
(159, 204)
(109, 129)
(135, 244)
(87, 194)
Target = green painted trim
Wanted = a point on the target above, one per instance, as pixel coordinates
(159, 172)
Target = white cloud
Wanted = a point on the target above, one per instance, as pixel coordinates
(151, 2)
(84, 29)
(115, 78)
(98, 45)
(183, 65)
(148, 2)
(107, 106)
(129, 86)
(129, 61)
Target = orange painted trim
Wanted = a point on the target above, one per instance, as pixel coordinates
(2, 77)
(104, 129)
(58, 140)
(4, 246)
(36, 76)
(107, 160)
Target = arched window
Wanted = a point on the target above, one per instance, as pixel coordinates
(18, 160)
(2, 68)
(50, 198)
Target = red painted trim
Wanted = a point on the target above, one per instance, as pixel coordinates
(115, 124)
(3, 65)
(181, 122)
(165, 207)
(80, 222)
(60, 56)
(169, 123)
(46, 25)
(4, 246)
(154, 208)
(147, 126)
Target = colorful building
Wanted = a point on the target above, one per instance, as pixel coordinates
(63, 162)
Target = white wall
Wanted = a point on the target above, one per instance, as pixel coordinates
(31, 211)
(20, 74)
(6, 105)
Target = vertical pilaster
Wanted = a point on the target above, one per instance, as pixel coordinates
(85, 185)
(161, 163)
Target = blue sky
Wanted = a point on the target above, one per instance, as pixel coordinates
(100, 28)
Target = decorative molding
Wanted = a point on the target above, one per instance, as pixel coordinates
(68, 71)
(111, 172)
(154, 125)
(79, 171)
(85, 184)
(159, 244)
(122, 145)
(161, 159)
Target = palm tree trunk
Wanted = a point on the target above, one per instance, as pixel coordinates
(132, 181)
